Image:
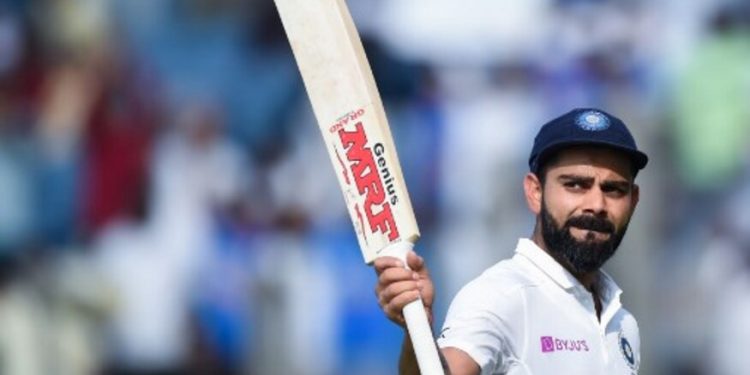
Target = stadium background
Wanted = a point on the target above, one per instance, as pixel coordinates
(166, 202)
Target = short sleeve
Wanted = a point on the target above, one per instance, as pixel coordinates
(484, 323)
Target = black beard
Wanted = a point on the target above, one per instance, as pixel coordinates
(581, 256)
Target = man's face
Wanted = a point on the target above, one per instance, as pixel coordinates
(587, 200)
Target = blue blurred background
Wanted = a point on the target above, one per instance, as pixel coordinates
(167, 206)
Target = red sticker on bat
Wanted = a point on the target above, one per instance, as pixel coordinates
(366, 176)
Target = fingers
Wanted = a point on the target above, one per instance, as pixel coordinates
(394, 281)
(414, 261)
(398, 286)
(393, 291)
(394, 309)
(394, 274)
(383, 263)
(395, 296)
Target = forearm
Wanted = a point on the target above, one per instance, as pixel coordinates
(408, 365)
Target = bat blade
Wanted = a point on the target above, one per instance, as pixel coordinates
(350, 114)
(351, 117)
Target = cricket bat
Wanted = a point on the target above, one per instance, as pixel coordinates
(349, 111)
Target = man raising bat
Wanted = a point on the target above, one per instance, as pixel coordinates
(549, 309)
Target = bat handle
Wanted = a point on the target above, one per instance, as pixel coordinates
(417, 322)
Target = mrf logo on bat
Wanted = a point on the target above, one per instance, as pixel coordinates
(369, 170)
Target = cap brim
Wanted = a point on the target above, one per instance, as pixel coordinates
(638, 158)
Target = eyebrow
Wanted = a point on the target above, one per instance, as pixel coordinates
(620, 184)
(574, 177)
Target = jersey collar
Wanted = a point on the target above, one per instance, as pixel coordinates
(546, 263)
(608, 289)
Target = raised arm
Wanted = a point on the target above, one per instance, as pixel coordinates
(396, 287)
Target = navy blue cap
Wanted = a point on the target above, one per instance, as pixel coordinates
(584, 126)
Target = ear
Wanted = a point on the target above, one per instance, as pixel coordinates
(636, 195)
(532, 189)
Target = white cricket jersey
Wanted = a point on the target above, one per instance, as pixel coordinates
(528, 315)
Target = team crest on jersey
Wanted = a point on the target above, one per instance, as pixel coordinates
(592, 121)
(627, 351)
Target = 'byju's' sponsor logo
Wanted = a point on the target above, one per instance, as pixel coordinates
(551, 344)
(548, 344)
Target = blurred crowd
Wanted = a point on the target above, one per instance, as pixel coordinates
(167, 205)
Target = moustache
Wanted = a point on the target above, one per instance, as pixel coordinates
(589, 222)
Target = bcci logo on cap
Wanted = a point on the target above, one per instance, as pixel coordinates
(592, 121)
